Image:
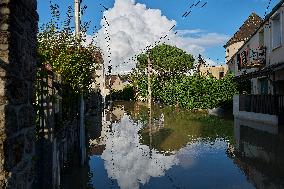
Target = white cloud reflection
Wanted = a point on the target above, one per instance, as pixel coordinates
(129, 162)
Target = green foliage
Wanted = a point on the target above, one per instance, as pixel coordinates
(167, 59)
(60, 49)
(172, 87)
(180, 126)
(197, 91)
(126, 94)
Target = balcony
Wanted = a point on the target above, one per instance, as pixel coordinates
(252, 58)
(258, 58)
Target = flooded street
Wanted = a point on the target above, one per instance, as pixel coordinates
(176, 149)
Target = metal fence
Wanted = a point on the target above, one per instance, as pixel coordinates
(57, 127)
(265, 104)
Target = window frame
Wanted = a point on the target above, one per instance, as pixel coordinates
(276, 16)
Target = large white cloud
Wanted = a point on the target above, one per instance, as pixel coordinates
(129, 27)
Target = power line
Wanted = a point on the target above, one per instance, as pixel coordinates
(267, 8)
(133, 58)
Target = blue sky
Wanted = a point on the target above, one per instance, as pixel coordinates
(217, 16)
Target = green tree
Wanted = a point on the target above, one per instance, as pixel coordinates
(167, 59)
(61, 50)
(171, 86)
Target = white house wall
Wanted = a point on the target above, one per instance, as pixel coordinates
(275, 56)
(252, 43)
(233, 48)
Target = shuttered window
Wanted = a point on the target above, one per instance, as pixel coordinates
(276, 31)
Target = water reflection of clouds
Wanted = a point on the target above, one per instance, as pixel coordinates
(188, 155)
(132, 163)
(129, 162)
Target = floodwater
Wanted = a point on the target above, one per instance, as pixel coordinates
(176, 149)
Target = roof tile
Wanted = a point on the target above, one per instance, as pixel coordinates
(246, 30)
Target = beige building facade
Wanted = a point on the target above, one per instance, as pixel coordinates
(216, 71)
(231, 49)
(261, 57)
(260, 63)
(240, 37)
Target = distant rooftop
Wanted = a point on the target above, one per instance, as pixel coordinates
(246, 30)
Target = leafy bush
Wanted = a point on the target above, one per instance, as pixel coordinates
(63, 52)
(126, 94)
(194, 91)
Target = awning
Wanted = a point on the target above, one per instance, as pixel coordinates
(266, 71)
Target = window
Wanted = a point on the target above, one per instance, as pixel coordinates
(221, 75)
(276, 31)
(248, 54)
(244, 58)
(239, 61)
(227, 53)
(263, 86)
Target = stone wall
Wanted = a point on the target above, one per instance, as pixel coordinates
(18, 29)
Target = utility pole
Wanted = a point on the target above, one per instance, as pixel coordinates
(104, 84)
(82, 108)
(110, 85)
(149, 79)
(149, 99)
(77, 18)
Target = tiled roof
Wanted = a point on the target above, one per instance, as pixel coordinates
(246, 30)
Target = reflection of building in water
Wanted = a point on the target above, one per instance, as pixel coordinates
(94, 122)
(259, 154)
(115, 114)
(98, 140)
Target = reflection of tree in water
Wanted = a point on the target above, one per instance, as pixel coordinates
(179, 127)
(178, 138)
(157, 138)
(130, 162)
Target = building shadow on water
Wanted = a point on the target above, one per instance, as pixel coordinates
(75, 175)
(259, 153)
